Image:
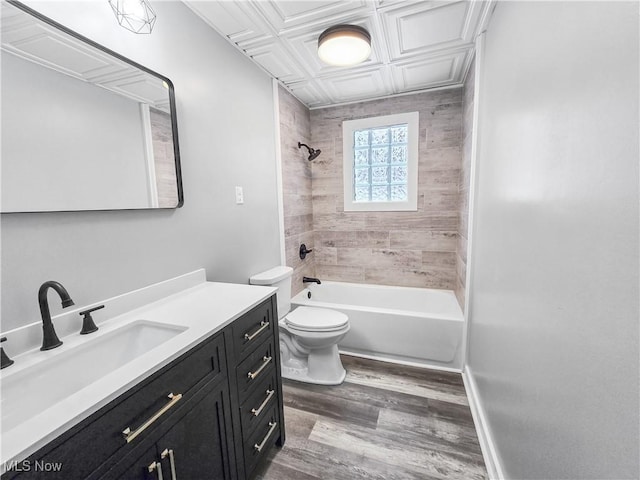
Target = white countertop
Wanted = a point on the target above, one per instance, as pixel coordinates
(203, 308)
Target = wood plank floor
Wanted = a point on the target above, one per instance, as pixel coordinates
(386, 422)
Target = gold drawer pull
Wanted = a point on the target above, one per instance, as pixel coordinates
(258, 411)
(273, 426)
(172, 461)
(155, 465)
(263, 324)
(252, 375)
(129, 435)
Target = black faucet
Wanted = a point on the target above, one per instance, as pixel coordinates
(88, 325)
(5, 361)
(49, 338)
(310, 280)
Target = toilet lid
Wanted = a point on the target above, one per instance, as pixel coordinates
(313, 318)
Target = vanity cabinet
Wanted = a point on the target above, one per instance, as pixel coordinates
(256, 386)
(194, 445)
(210, 414)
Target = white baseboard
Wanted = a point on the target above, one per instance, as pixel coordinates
(485, 438)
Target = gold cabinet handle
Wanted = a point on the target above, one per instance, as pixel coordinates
(258, 411)
(172, 461)
(156, 466)
(130, 435)
(265, 362)
(273, 426)
(263, 324)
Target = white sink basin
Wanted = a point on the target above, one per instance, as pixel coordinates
(34, 389)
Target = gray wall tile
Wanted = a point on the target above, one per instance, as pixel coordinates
(463, 186)
(296, 185)
(392, 248)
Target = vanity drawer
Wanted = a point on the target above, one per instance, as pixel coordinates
(207, 362)
(253, 328)
(254, 369)
(257, 405)
(264, 436)
(101, 435)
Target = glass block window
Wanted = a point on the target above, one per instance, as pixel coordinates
(380, 163)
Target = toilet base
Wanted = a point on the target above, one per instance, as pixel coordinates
(312, 358)
(301, 374)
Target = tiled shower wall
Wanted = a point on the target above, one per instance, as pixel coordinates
(164, 159)
(391, 248)
(296, 185)
(465, 180)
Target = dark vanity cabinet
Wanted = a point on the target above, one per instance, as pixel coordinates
(212, 413)
(256, 386)
(193, 446)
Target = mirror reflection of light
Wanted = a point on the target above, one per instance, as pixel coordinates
(136, 16)
(134, 8)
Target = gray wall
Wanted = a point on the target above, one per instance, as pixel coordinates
(226, 129)
(554, 307)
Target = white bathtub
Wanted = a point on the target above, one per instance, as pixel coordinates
(415, 326)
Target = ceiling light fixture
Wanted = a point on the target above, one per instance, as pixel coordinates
(344, 45)
(134, 15)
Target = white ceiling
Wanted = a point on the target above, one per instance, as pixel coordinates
(416, 45)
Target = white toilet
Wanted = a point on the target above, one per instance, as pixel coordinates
(309, 336)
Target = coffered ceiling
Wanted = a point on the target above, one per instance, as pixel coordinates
(416, 45)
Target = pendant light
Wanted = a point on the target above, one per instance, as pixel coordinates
(344, 45)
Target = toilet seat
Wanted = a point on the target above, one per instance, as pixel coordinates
(313, 319)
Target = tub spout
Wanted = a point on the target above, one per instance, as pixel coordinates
(311, 280)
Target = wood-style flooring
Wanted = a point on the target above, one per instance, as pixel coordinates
(386, 422)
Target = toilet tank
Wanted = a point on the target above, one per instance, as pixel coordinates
(279, 277)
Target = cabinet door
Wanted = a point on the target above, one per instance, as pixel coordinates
(196, 447)
(141, 463)
(146, 467)
(196, 435)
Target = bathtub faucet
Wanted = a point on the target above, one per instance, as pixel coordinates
(310, 280)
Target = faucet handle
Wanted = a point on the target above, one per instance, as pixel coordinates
(5, 361)
(88, 325)
(304, 251)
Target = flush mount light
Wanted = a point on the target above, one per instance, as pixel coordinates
(344, 45)
(134, 15)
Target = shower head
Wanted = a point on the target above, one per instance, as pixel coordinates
(313, 154)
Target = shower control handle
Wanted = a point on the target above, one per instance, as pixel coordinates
(304, 251)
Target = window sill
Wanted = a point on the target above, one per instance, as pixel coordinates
(380, 207)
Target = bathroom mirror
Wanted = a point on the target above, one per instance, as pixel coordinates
(83, 128)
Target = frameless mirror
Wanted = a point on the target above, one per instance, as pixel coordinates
(83, 128)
